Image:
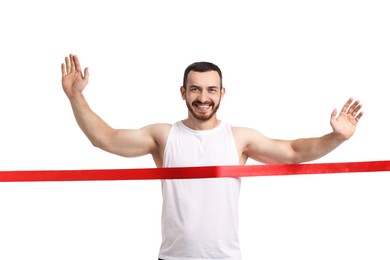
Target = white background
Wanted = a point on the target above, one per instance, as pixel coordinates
(286, 65)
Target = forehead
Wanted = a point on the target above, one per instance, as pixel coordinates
(208, 78)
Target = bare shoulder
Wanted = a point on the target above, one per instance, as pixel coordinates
(253, 144)
(245, 134)
(159, 126)
(247, 138)
(159, 131)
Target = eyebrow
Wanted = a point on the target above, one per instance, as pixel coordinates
(195, 86)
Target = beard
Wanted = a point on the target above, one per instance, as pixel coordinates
(200, 116)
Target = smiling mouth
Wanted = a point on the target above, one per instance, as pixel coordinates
(202, 107)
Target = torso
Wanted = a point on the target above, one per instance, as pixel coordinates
(161, 136)
(200, 216)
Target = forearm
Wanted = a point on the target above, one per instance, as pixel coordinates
(308, 149)
(89, 122)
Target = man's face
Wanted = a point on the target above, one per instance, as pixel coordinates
(203, 94)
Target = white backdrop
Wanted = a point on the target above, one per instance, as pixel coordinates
(286, 65)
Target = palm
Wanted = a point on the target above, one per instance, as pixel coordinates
(345, 123)
(73, 80)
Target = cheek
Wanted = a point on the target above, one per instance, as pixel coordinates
(217, 98)
(189, 96)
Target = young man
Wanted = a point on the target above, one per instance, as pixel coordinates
(200, 216)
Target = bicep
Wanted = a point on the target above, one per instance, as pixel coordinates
(132, 142)
(266, 150)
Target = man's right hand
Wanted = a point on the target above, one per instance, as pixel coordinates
(73, 80)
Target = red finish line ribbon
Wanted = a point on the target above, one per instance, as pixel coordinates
(193, 172)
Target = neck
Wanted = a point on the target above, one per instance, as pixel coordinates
(197, 124)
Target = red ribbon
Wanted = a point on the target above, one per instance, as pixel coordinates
(193, 172)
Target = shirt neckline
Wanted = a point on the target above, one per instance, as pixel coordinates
(202, 132)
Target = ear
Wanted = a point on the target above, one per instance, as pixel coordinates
(183, 92)
(223, 90)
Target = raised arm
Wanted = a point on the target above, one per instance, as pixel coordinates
(254, 145)
(129, 143)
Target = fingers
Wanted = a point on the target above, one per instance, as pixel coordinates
(63, 70)
(346, 105)
(86, 74)
(353, 109)
(67, 63)
(357, 118)
(76, 63)
(65, 67)
(72, 64)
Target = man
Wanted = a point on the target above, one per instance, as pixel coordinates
(200, 216)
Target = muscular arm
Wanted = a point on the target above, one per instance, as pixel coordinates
(266, 150)
(129, 143)
(254, 145)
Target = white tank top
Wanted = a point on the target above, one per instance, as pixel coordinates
(200, 216)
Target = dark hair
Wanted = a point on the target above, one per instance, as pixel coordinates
(201, 66)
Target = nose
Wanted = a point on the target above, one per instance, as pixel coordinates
(202, 97)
